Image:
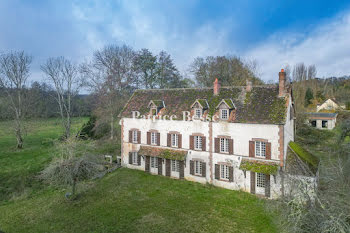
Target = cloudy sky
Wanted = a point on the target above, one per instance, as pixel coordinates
(270, 32)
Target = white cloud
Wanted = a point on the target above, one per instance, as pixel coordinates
(327, 46)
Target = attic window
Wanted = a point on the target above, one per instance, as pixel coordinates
(153, 111)
(224, 114)
(198, 113)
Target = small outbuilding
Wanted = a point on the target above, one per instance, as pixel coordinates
(322, 120)
(329, 105)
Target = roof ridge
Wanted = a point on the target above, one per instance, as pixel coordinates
(203, 88)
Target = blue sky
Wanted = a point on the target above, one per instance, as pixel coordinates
(274, 33)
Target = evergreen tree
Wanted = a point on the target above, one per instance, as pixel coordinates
(308, 97)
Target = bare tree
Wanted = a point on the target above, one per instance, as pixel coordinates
(111, 76)
(66, 80)
(14, 72)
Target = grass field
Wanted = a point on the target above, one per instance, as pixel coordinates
(123, 201)
(19, 167)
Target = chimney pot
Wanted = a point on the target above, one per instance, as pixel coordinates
(282, 83)
(217, 86)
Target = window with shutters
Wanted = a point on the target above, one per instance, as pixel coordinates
(224, 172)
(197, 113)
(198, 168)
(224, 145)
(134, 136)
(260, 149)
(174, 140)
(260, 180)
(134, 158)
(224, 114)
(175, 165)
(154, 162)
(197, 142)
(154, 138)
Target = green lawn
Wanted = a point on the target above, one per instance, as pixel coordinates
(123, 201)
(134, 201)
(19, 167)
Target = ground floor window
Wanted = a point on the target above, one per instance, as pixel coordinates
(313, 123)
(134, 158)
(197, 168)
(175, 165)
(324, 124)
(260, 180)
(154, 162)
(224, 172)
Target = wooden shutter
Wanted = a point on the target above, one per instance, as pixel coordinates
(217, 145)
(130, 158)
(167, 167)
(268, 150)
(267, 185)
(230, 177)
(139, 137)
(160, 166)
(147, 164)
(204, 144)
(204, 169)
(230, 146)
(182, 169)
(180, 140)
(217, 171)
(139, 160)
(168, 140)
(252, 182)
(191, 142)
(130, 135)
(158, 139)
(191, 167)
(149, 138)
(251, 148)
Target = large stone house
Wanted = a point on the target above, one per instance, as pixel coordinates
(232, 137)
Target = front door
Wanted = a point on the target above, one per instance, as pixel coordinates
(260, 183)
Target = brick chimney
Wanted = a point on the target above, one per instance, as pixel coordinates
(217, 86)
(282, 83)
(249, 86)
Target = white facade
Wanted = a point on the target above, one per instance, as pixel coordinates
(241, 133)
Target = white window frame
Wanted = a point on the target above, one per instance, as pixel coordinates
(224, 172)
(260, 149)
(260, 180)
(198, 143)
(197, 168)
(155, 112)
(135, 136)
(154, 137)
(222, 114)
(224, 145)
(154, 162)
(174, 140)
(175, 165)
(196, 111)
(134, 158)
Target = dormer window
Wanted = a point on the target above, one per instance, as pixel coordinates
(153, 111)
(155, 107)
(198, 113)
(224, 114)
(226, 106)
(199, 107)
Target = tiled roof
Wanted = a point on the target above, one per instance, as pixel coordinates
(162, 152)
(322, 114)
(260, 105)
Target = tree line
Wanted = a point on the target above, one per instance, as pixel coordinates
(111, 76)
